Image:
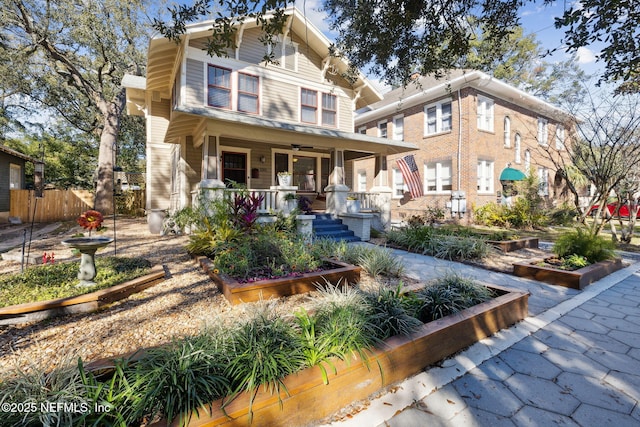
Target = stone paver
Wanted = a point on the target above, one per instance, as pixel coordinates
(574, 362)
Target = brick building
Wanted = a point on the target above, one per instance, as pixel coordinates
(469, 127)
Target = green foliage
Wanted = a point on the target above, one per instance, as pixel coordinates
(374, 260)
(580, 242)
(450, 294)
(176, 379)
(59, 280)
(521, 214)
(34, 387)
(574, 262)
(440, 242)
(262, 351)
(391, 312)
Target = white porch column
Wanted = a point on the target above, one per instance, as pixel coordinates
(384, 192)
(211, 186)
(336, 190)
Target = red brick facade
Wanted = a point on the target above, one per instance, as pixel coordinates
(461, 148)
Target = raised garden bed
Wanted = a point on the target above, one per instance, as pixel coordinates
(576, 279)
(309, 399)
(237, 293)
(35, 311)
(515, 244)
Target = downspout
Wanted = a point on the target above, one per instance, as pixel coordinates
(459, 141)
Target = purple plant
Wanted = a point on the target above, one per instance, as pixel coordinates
(244, 210)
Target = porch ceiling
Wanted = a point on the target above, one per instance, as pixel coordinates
(248, 127)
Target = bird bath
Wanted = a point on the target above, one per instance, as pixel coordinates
(87, 246)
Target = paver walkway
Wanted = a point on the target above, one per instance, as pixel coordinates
(575, 361)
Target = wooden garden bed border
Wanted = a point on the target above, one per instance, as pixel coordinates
(34, 311)
(309, 399)
(576, 279)
(515, 244)
(237, 293)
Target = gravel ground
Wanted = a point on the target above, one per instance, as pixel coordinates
(180, 306)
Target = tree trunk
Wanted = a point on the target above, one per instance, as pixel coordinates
(111, 112)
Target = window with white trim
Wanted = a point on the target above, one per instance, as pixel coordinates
(527, 160)
(560, 137)
(329, 109)
(485, 113)
(382, 129)
(15, 177)
(362, 130)
(437, 118)
(437, 177)
(308, 105)
(398, 186)
(248, 93)
(485, 176)
(219, 87)
(398, 128)
(518, 148)
(543, 179)
(507, 132)
(543, 131)
(362, 181)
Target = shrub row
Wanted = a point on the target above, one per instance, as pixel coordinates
(222, 361)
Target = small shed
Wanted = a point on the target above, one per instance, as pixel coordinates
(12, 176)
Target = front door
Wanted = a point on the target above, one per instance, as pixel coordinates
(234, 168)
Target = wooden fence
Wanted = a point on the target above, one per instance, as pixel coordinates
(64, 205)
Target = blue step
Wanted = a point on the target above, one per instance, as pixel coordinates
(326, 227)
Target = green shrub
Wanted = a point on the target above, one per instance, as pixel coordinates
(262, 351)
(391, 311)
(374, 260)
(441, 242)
(580, 242)
(178, 378)
(450, 294)
(574, 262)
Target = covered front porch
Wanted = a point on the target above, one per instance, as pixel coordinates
(216, 152)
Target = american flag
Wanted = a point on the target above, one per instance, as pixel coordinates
(411, 175)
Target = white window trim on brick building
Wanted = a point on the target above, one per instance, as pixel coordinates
(441, 118)
(518, 148)
(398, 128)
(485, 177)
(382, 128)
(437, 177)
(362, 181)
(507, 132)
(543, 178)
(560, 137)
(543, 131)
(485, 113)
(397, 182)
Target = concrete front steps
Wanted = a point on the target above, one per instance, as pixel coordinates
(327, 227)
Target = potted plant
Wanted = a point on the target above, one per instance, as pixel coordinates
(353, 204)
(290, 202)
(284, 179)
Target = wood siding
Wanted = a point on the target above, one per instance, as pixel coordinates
(280, 101)
(194, 94)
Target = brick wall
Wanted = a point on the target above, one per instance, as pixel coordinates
(475, 145)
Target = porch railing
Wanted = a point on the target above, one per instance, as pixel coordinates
(368, 201)
(268, 203)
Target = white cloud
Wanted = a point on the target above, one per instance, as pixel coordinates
(585, 55)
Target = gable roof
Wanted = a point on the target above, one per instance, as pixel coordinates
(162, 54)
(428, 88)
(18, 154)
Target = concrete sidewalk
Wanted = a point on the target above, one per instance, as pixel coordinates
(574, 361)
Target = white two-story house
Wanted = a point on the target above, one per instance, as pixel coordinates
(214, 121)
